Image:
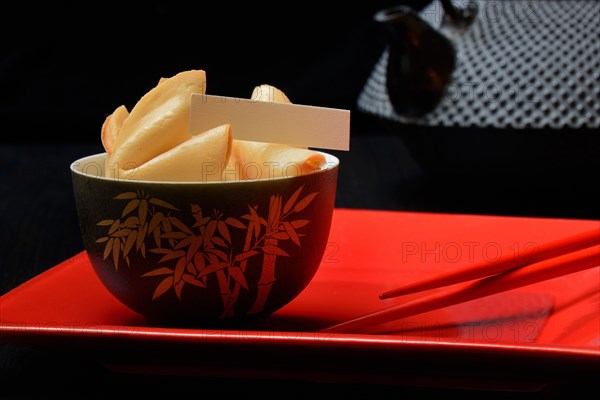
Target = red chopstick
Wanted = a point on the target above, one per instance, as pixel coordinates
(504, 263)
(526, 275)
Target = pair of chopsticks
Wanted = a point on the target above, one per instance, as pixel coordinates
(550, 260)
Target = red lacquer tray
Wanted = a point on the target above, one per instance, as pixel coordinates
(552, 327)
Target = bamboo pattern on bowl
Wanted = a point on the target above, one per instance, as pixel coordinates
(204, 249)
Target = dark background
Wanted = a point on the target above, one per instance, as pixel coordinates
(64, 66)
(67, 66)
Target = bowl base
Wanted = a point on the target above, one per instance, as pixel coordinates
(249, 322)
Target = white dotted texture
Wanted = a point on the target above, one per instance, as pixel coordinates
(521, 64)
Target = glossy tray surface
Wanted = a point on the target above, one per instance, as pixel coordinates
(368, 253)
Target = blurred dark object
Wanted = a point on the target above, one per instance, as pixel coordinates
(459, 17)
(523, 103)
(420, 61)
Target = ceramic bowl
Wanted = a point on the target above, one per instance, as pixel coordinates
(204, 254)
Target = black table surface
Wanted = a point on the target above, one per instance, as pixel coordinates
(384, 169)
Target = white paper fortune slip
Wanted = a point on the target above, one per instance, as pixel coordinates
(261, 121)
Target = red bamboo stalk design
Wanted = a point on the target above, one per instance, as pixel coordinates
(228, 310)
(267, 276)
(224, 286)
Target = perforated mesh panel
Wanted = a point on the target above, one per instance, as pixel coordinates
(521, 64)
